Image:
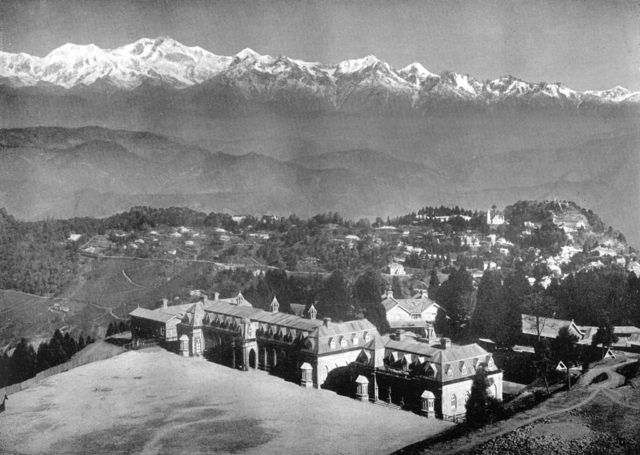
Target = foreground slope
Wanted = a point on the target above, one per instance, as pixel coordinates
(156, 402)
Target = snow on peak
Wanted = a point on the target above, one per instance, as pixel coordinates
(358, 64)
(170, 62)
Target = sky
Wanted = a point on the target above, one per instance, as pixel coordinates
(586, 44)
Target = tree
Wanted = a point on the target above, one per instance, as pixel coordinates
(515, 290)
(441, 324)
(367, 292)
(334, 297)
(481, 408)
(454, 296)
(489, 305)
(23, 362)
(434, 284)
(543, 362)
(396, 288)
(563, 348)
(605, 335)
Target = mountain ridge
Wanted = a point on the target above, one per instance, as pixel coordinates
(166, 62)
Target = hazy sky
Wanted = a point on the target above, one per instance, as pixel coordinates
(587, 44)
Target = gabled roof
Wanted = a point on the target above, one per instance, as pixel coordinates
(287, 320)
(343, 328)
(152, 315)
(411, 306)
(549, 327)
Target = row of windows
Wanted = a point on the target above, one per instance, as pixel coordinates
(343, 340)
(454, 399)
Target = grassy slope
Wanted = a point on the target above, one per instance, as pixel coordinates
(156, 402)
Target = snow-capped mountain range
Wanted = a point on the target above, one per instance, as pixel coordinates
(166, 62)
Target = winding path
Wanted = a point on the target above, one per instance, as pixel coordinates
(582, 393)
(126, 277)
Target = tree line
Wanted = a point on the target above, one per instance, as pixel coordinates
(26, 362)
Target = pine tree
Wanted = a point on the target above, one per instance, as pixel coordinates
(81, 342)
(23, 362)
(434, 284)
(481, 408)
(42, 357)
(396, 288)
(367, 291)
(489, 305)
(333, 298)
(605, 335)
(441, 324)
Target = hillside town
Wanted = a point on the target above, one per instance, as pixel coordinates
(454, 315)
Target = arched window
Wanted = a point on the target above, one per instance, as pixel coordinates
(454, 401)
(343, 342)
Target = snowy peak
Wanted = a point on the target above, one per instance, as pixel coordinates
(416, 73)
(168, 62)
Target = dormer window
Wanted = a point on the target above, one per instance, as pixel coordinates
(343, 342)
(332, 343)
(449, 371)
(354, 339)
(463, 369)
(367, 337)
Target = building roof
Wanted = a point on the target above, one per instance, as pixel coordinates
(549, 327)
(286, 320)
(341, 328)
(153, 315)
(412, 306)
(408, 324)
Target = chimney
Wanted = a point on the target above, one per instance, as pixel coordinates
(445, 342)
(216, 296)
(165, 303)
(424, 293)
(326, 322)
(399, 335)
(389, 293)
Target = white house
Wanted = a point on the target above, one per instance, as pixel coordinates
(396, 269)
(419, 307)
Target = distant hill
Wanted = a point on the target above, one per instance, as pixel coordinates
(66, 172)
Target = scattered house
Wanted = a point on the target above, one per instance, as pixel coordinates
(189, 243)
(74, 237)
(175, 235)
(396, 269)
(418, 308)
(634, 267)
(183, 230)
(495, 217)
(549, 328)
(603, 251)
(153, 233)
(139, 241)
(238, 218)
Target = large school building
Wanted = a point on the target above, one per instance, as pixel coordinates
(432, 376)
